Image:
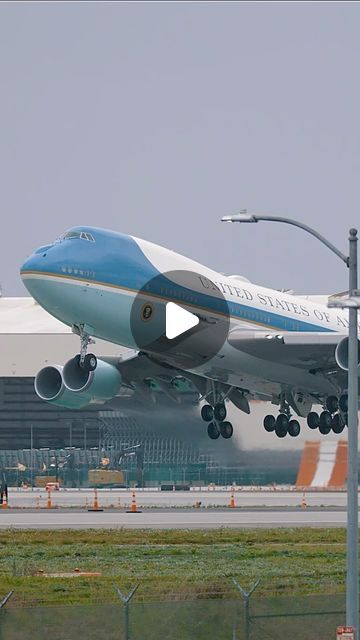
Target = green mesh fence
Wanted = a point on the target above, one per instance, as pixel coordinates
(298, 618)
(302, 618)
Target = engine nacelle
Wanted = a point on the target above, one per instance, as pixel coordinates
(342, 354)
(49, 386)
(99, 385)
(72, 387)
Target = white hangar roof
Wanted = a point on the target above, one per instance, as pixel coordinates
(30, 338)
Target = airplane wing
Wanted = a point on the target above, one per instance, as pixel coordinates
(150, 381)
(312, 351)
(147, 379)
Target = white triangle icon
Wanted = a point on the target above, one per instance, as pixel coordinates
(178, 320)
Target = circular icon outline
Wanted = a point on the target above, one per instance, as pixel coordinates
(187, 289)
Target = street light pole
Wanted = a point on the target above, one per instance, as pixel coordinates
(352, 561)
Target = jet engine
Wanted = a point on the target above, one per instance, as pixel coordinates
(73, 387)
(101, 384)
(342, 354)
(49, 386)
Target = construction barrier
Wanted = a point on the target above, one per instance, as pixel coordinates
(323, 464)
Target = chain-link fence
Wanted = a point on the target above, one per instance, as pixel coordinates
(301, 618)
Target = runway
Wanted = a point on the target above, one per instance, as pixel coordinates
(171, 519)
(152, 498)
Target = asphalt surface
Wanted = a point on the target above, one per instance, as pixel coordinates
(171, 518)
(203, 508)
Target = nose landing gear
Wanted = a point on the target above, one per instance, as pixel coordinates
(86, 361)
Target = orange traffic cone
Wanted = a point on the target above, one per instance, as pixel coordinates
(96, 503)
(49, 503)
(133, 504)
(4, 501)
(303, 501)
(232, 501)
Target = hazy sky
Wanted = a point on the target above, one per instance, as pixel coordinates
(157, 119)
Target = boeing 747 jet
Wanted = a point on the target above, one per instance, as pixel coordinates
(190, 330)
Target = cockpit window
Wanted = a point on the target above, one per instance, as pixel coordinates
(88, 236)
(83, 235)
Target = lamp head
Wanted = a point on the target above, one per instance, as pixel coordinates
(243, 216)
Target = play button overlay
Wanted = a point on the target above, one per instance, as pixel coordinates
(181, 317)
(178, 320)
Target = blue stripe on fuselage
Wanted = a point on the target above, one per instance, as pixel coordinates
(116, 260)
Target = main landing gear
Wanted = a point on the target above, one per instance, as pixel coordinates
(282, 425)
(333, 418)
(86, 361)
(215, 416)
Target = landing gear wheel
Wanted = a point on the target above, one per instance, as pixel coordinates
(294, 428)
(226, 429)
(343, 402)
(313, 420)
(207, 413)
(325, 419)
(332, 404)
(220, 411)
(324, 430)
(269, 423)
(90, 362)
(338, 423)
(213, 431)
(325, 422)
(282, 423)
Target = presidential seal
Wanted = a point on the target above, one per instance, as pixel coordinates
(147, 311)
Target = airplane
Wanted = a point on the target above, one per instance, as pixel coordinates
(246, 342)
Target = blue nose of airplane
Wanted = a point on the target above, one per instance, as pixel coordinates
(35, 266)
(35, 262)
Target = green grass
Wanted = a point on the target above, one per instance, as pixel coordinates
(169, 564)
